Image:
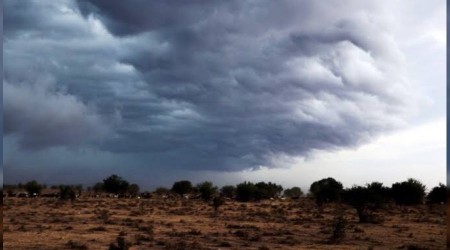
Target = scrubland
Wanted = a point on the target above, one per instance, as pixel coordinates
(178, 223)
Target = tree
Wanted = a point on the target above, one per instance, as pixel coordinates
(366, 200)
(267, 190)
(326, 190)
(409, 192)
(115, 184)
(228, 191)
(294, 192)
(379, 194)
(133, 190)
(182, 187)
(207, 190)
(438, 194)
(245, 191)
(33, 188)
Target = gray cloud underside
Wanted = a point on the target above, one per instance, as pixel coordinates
(224, 86)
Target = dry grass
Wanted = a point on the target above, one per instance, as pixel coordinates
(91, 223)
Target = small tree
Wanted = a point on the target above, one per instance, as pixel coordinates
(409, 192)
(67, 192)
(245, 191)
(294, 192)
(207, 190)
(33, 187)
(365, 200)
(217, 202)
(115, 184)
(438, 194)
(182, 187)
(326, 190)
(228, 191)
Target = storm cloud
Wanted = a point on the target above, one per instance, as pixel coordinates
(218, 86)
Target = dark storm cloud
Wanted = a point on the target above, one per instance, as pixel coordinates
(226, 85)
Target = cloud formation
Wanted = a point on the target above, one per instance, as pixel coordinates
(222, 86)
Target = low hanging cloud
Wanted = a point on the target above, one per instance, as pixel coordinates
(222, 85)
(42, 118)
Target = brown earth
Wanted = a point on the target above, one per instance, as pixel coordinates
(95, 223)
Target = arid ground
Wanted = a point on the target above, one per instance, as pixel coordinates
(157, 223)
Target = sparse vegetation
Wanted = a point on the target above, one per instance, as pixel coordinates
(169, 221)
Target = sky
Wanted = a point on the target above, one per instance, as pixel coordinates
(226, 91)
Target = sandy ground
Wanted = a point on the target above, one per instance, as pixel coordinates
(95, 223)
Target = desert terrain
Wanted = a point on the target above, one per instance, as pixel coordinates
(178, 223)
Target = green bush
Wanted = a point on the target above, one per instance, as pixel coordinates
(207, 190)
(115, 184)
(409, 192)
(438, 194)
(33, 187)
(326, 190)
(228, 191)
(294, 192)
(67, 192)
(182, 187)
(245, 191)
(267, 190)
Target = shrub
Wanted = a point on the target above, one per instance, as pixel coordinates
(228, 191)
(438, 194)
(326, 190)
(338, 229)
(67, 192)
(245, 191)
(267, 190)
(294, 192)
(217, 202)
(121, 243)
(207, 190)
(33, 187)
(162, 190)
(365, 200)
(182, 187)
(115, 184)
(409, 192)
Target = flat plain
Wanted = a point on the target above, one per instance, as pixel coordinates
(159, 223)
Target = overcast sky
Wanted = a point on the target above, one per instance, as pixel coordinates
(285, 91)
